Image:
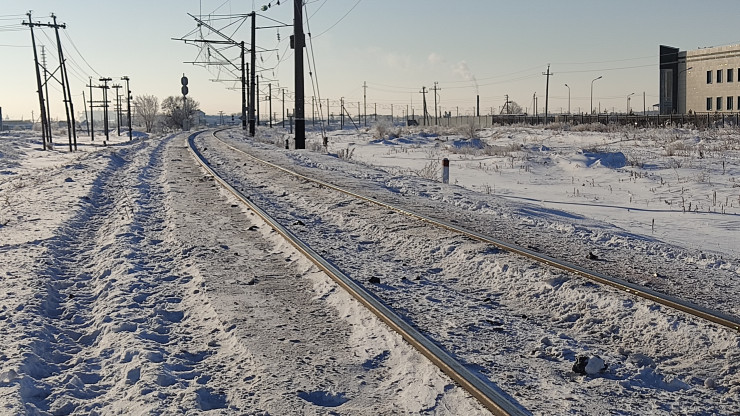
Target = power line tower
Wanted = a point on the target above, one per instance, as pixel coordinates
(547, 89)
(243, 68)
(63, 80)
(46, 92)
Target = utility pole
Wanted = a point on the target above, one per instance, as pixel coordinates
(364, 99)
(547, 89)
(299, 42)
(269, 115)
(46, 92)
(92, 117)
(118, 107)
(435, 89)
(105, 107)
(257, 99)
(341, 116)
(424, 95)
(253, 65)
(87, 121)
(69, 107)
(128, 107)
(244, 87)
(283, 89)
(40, 90)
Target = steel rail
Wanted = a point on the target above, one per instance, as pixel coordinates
(494, 400)
(717, 317)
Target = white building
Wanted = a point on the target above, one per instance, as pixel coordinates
(700, 81)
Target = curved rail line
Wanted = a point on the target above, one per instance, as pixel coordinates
(494, 400)
(729, 321)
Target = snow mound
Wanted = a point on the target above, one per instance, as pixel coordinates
(471, 143)
(585, 159)
(614, 160)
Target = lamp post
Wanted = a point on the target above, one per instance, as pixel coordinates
(592, 93)
(568, 98)
(628, 101)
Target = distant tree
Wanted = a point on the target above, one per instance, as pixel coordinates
(175, 113)
(512, 108)
(147, 107)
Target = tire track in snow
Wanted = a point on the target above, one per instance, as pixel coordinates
(115, 332)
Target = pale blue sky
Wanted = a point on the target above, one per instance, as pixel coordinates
(396, 46)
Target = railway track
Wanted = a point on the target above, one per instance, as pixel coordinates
(497, 402)
(494, 400)
(682, 305)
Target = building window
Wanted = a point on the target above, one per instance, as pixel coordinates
(719, 103)
(730, 75)
(709, 103)
(719, 76)
(729, 103)
(709, 77)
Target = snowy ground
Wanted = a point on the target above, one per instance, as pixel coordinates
(134, 285)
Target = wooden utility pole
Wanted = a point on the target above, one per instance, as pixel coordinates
(128, 107)
(44, 119)
(118, 107)
(424, 95)
(105, 107)
(92, 117)
(68, 105)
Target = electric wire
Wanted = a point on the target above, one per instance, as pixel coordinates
(342, 18)
(314, 83)
(80, 54)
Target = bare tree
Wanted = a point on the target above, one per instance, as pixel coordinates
(175, 114)
(147, 107)
(512, 108)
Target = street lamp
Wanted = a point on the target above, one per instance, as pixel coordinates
(628, 101)
(592, 92)
(568, 98)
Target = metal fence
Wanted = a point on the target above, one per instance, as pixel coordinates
(694, 120)
(697, 120)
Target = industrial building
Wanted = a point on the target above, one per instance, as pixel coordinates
(705, 80)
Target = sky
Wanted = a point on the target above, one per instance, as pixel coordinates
(469, 48)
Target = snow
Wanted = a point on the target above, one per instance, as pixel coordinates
(134, 284)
